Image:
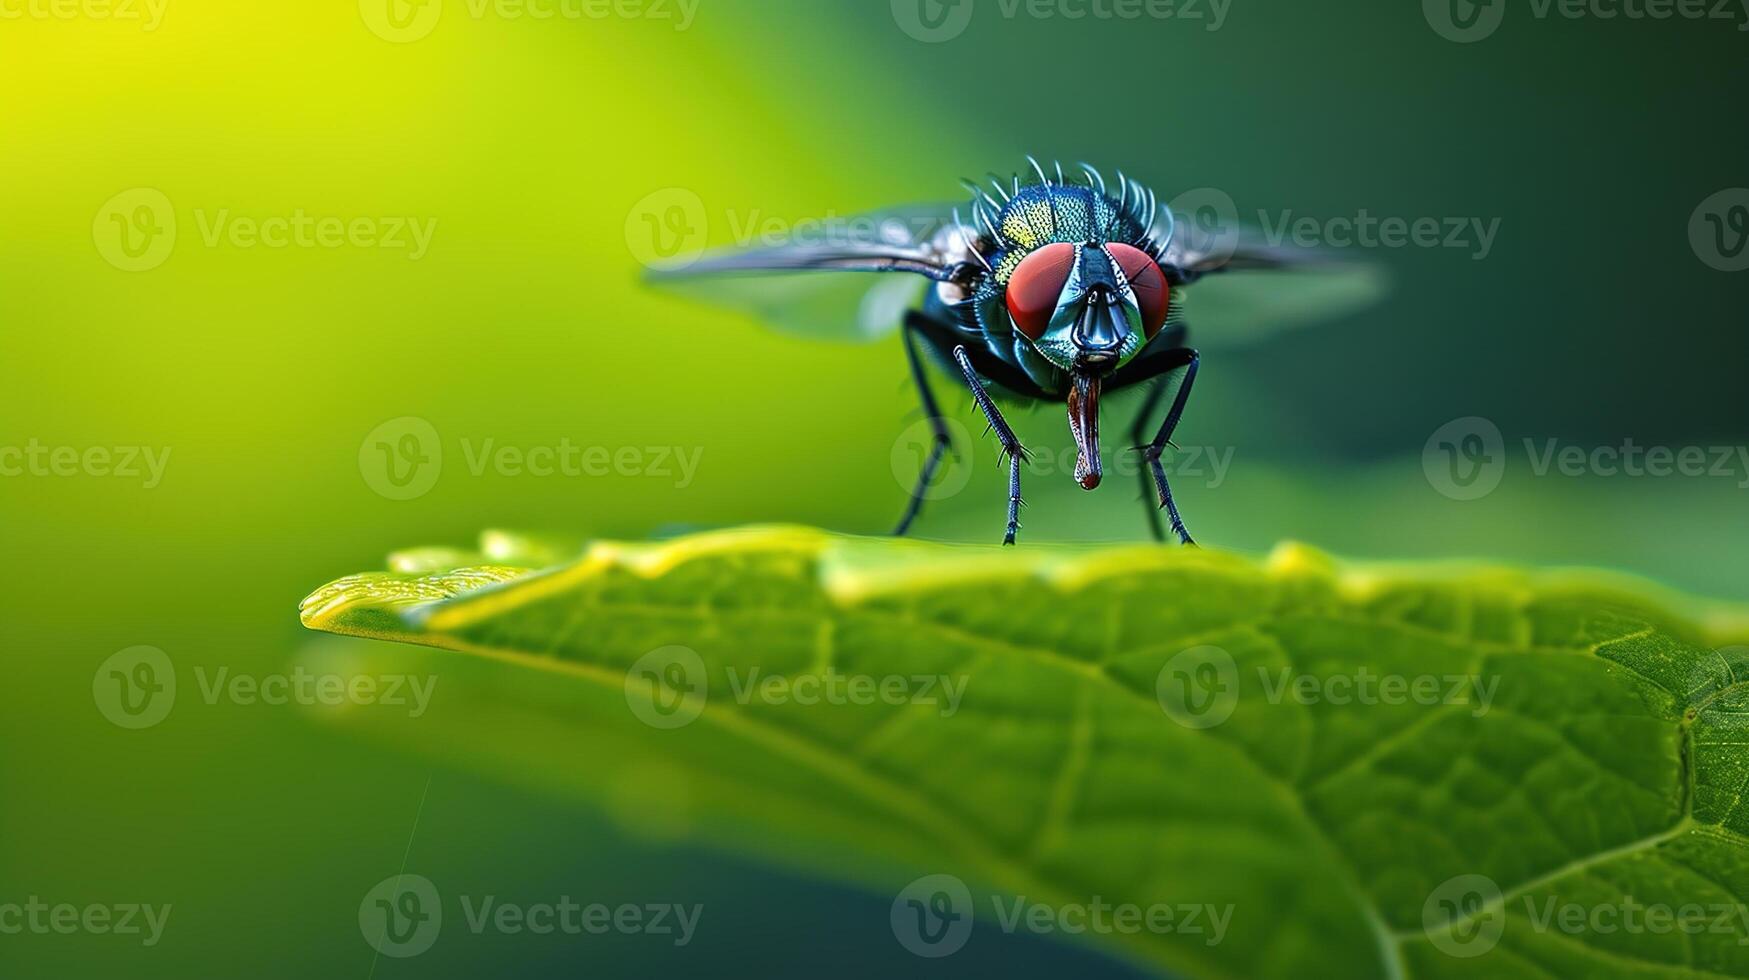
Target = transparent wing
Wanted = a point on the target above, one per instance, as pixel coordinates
(814, 284)
(1238, 308)
(1239, 289)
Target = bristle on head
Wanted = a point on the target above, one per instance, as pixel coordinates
(1023, 214)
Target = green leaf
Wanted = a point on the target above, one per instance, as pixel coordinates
(1146, 727)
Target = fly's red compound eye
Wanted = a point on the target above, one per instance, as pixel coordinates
(1036, 286)
(1153, 293)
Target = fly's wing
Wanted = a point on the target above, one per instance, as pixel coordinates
(1239, 308)
(1241, 290)
(815, 284)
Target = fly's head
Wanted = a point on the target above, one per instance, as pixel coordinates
(1074, 271)
(1087, 307)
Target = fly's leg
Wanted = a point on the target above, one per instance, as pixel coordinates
(943, 441)
(1138, 435)
(1187, 359)
(1011, 446)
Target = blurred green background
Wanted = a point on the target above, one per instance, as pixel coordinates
(528, 146)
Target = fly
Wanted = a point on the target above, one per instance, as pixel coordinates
(1052, 289)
